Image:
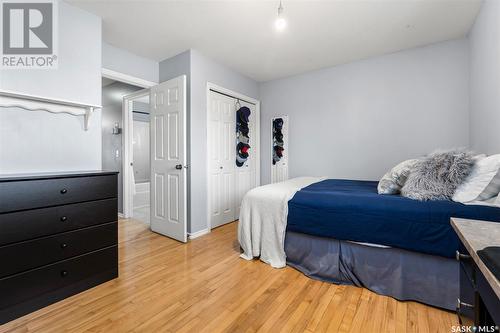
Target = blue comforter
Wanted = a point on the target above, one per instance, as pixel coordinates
(353, 210)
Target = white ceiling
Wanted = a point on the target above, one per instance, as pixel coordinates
(241, 34)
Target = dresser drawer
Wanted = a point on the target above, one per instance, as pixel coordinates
(466, 301)
(39, 283)
(466, 264)
(490, 302)
(29, 194)
(30, 224)
(23, 256)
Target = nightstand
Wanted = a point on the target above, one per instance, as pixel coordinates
(479, 301)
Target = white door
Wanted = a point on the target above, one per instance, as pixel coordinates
(222, 158)
(245, 175)
(168, 159)
(279, 171)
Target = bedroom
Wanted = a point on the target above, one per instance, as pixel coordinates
(291, 117)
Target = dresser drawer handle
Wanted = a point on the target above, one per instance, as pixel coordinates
(63, 218)
(64, 273)
(64, 191)
(461, 256)
(64, 245)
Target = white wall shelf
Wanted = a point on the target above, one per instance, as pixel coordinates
(39, 103)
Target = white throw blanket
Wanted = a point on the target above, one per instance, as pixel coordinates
(263, 217)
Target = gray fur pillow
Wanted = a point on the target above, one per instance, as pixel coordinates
(437, 176)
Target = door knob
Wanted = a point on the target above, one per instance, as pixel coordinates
(178, 166)
(221, 168)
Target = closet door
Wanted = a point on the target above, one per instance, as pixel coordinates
(222, 153)
(245, 175)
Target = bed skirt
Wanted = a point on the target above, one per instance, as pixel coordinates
(402, 274)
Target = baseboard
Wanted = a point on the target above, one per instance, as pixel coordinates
(193, 235)
(120, 215)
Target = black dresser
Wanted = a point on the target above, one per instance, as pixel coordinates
(478, 305)
(58, 237)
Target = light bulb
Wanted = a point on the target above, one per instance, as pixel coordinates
(280, 23)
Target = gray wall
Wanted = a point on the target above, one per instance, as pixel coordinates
(125, 62)
(357, 120)
(111, 113)
(175, 66)
(78, 76)
(38, 141)
(200, 70)
(205, 70)
(485, 79)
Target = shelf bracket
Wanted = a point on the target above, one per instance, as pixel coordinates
(86, 117)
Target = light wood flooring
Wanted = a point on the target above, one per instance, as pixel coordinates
(202, 286)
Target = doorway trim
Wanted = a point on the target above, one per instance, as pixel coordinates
(125, 78)
(126, 132)
(213, 87)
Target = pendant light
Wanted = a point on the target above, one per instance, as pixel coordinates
(280, 22)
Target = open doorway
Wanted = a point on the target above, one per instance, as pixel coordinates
(167, 157)
(141, 165)
(113, 92)
(166, 209)
(136, 156)
(115, 142)
(154, 155)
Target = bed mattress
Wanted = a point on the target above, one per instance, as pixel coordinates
(353, 210)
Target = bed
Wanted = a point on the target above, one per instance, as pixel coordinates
(353, 210)
(343, 231)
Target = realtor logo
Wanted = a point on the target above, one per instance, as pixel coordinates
(29, 34)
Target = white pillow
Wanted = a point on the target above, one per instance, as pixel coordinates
(493, 202)
(479, 157)
(393, 181)
(483, 183)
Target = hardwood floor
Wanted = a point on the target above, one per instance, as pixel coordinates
(202, 286)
